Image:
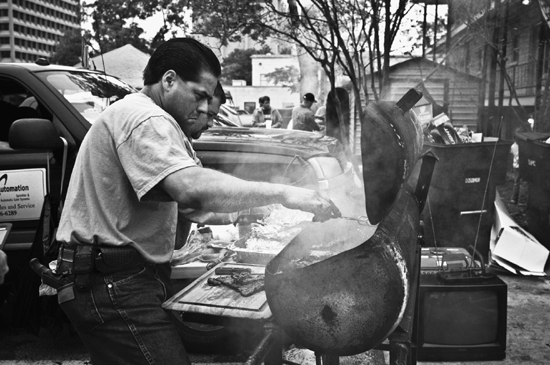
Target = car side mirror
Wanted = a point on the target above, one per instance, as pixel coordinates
(34, 133)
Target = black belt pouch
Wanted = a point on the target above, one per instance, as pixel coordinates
(83, 267)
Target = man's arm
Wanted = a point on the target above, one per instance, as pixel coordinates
(309, 120)
(210, 218)
(277, 119)
(212, 191)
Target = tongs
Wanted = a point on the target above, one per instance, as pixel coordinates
(362, 220)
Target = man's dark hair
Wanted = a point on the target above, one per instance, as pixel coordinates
(186, 56)
(220, 93)
(263, 99)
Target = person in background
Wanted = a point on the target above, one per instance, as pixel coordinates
(135, 169)
(3, 266)
(185, 220)
(265, 116)
(302, 115)
(320, 118)
(518, 198)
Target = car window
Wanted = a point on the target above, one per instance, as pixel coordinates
(89, 92)
(17, 102)
(274, 168)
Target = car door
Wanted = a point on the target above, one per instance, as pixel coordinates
(28, 174)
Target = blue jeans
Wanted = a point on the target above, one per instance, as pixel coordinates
(120, 320)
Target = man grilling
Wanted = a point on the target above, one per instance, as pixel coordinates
(135, 167)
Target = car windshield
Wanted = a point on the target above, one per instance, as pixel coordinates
(89, 92)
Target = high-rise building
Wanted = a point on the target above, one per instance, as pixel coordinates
(30, 29)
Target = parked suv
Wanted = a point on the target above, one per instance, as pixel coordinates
(65, 101)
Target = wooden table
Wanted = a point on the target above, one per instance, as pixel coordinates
(220, 305)
(203, 299)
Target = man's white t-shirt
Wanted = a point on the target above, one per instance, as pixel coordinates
(113, 196)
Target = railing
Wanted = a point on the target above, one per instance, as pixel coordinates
(523, 78)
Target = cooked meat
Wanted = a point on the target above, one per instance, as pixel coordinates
(243, 282)
(252, 288)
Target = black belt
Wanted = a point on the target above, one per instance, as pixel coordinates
(82, 260)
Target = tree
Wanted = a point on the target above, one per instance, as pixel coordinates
(288, 76)
(68, 51)
(343, 36)
(238, 65)
(109, 22)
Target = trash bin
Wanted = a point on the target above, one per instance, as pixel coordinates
(460, 204)
(534, 168)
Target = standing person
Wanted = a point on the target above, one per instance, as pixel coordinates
(320, 118)
(265, 116)
(3, 266)
(518, 181)
(302, 115)
(135, 168)
(188, 216)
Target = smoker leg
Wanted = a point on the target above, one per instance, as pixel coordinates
(275, 353)
(323, 359)
(270, 349)
(399, 353)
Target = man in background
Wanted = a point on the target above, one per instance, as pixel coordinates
(265, 116)
(185, 220)
(303, 117)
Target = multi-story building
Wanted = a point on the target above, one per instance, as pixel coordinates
(505, 43)
(30, 29)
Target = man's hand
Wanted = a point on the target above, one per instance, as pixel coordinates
(3, 266)
(333, 212)
(312, 201)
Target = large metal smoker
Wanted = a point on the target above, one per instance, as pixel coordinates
(350, 302)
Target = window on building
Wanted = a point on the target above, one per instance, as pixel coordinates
(515, 48)
(467, 59)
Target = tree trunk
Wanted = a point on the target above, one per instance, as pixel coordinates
(309, 82)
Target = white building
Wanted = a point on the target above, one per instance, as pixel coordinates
(246, 97)
(31, 29)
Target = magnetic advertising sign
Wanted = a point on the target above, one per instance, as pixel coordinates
(22, 194)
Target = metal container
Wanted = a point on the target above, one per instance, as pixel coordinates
(391, 143)
(352, 300)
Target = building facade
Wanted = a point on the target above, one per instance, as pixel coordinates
(30, 29)
(505, 43)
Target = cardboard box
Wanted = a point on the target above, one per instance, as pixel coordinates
(513, 248)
